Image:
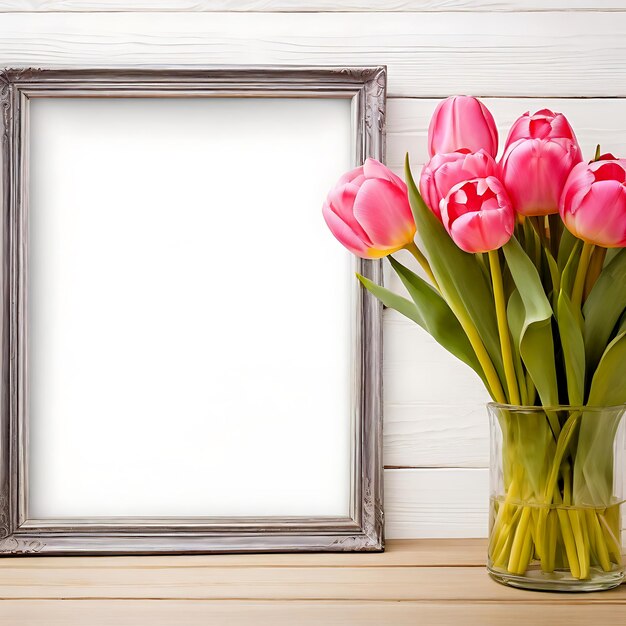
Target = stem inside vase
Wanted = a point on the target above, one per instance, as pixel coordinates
(556, 497)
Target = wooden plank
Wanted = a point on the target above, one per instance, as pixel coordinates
(311, 5)
(428, 54)
(246, 583)
(435, 412)
(308, 613)
(433, 584)
(447, 502)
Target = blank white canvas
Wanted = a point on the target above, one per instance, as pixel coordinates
(189, 313)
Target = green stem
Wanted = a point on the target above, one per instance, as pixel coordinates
(596, 264)
(581, 274)
(421, 259)
(503, 327)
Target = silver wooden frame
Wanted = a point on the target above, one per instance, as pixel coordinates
(19, 534)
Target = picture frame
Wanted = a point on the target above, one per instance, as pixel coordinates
(23, 534)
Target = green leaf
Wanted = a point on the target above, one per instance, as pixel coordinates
(460, 278)
(515, 317)
(439, 320)
(394, 301)
(611, 253)
(608, 386)
(593, 468)
(594, 458)
(569, 321)
(536, 345)
(603, 308)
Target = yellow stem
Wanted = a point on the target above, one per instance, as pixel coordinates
(482, 355)
(581, 274)
(519, 542)
(567, 535)
(503, 327)
(551, 534)
(423, 261)
(579, 539)
(601, 548)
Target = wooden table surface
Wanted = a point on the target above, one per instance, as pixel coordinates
(427, 582)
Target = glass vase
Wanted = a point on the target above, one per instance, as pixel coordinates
(556, 496)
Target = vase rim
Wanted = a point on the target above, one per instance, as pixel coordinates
(556, 407)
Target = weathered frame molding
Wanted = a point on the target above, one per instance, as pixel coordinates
(20, 535)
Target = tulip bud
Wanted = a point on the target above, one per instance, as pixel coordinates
(539, 154)
(444, 171)
(478, 214)
(543, 124)
(462, 122)
(593, 204)
(368, 211)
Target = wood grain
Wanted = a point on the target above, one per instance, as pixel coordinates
(448, 502)
(294, 578)
(310, 5)
(435, 413)
(310, 613)
(436, 582)
(59, 578)
(428, 54)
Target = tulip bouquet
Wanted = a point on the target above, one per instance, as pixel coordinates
(524, 280)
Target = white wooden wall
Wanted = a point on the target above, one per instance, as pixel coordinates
(519, 54)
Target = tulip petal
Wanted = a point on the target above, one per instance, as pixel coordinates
(482, 231)
(383, 211)
(576, 187)
(610, 171)
(462, 122)
(349, 177)
(344, 233)
(444, 171)
(341, 200)
(375, 169)
(544, 124)
(601, 217)
(478, 215)
(539, 128)
(534, 172)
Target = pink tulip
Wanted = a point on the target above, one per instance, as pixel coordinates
(368, 211)
(478, 214)
(444, 171)
(543, 124)
(534, 172)
(593, 204)
(462, 122)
